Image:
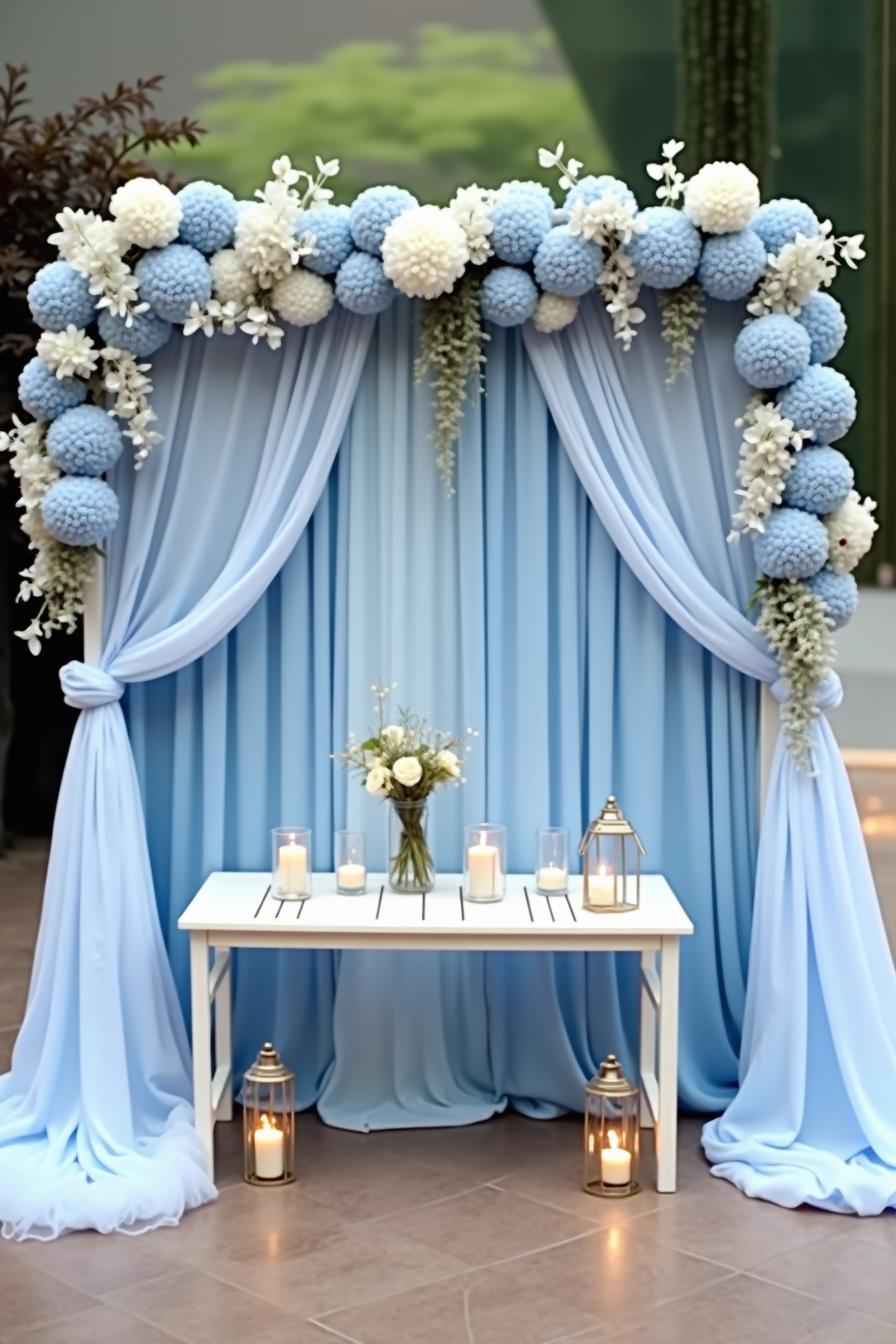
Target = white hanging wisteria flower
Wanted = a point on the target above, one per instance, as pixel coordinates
(58, 575)
(211, 317)
(618, 283)
(671, 180)
(93, 247)
(69, 353)
(607, 220)
(799, 268)
(767, 449)
(471, 207)
(131, 389)
(260, 325)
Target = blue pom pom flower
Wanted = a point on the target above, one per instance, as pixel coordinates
(518, 226)
(838, 592)
(821, 400)
(84, 441)
(566, 264)
(373, 211)
(79, 510)
(793, 545)
(209, 216)
(779, 221)
(593, 188)
(362, 285)
(823, 318)
(45, 396)
(819, 480)
(731, 264)
(172, 278)
(531, 191)
(771, 351)
(146, 334)
(330, 227)
(667, 253)
(58, 296)
(508, 296)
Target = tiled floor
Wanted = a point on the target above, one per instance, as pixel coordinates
(464, 1236)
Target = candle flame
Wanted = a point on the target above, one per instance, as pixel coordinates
(266, 1122)
(613, 1138)
(603, 870)
(292, 837)
(482, 837)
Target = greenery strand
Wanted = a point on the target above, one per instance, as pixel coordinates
(682, 311)
(794, 621)
(452, 341)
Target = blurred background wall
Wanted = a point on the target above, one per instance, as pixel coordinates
(432, 96)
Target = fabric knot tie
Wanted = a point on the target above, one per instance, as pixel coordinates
(87, 687)
(827, 694)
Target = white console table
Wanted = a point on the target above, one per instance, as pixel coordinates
(237, 910)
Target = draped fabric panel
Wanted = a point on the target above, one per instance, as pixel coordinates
(813, 1119)
(95, 1117)
(508, 609)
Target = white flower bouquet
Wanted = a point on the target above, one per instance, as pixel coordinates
(404, 762)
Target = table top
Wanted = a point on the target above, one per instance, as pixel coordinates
(241, 906)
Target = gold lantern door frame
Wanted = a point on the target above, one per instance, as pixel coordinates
(611, 852)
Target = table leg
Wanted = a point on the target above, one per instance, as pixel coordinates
(202, 1046)
(648, 1036)
(223, 1041)
(667, 1120)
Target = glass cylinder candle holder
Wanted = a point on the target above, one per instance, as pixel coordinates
(350, 862)
(485, 862)
(291, 863)
(552, 861)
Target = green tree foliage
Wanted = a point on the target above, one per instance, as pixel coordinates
(449, 108)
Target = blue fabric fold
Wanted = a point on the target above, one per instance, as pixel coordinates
(814, 1119)
(95, 1114)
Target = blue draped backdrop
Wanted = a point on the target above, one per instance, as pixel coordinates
(508, 609)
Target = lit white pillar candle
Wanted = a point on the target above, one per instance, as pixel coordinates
(351, 876)
(292, 869)
(551, 878)
(615, 1162)
(602, 887)
(268, 1140)
(484, 869)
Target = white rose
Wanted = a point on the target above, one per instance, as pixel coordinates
(393, 735)
(377, 781)
(407, 770)
(447, 761)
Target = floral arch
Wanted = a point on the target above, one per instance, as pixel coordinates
(201, 261)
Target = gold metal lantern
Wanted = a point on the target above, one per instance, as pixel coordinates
(269, 1120)
(611, 1133)
(611, 851)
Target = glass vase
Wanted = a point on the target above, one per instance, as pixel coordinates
(410, 861)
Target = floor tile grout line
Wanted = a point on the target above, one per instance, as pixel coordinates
(811, 1297)
(459, 1273)
(654, 1306)
(331, 1330)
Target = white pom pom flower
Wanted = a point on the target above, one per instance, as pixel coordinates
(722, 197)
(232, 281)
(425, 251)
(554, 312)
(146, 212)
(303, 298)
(851, 529)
